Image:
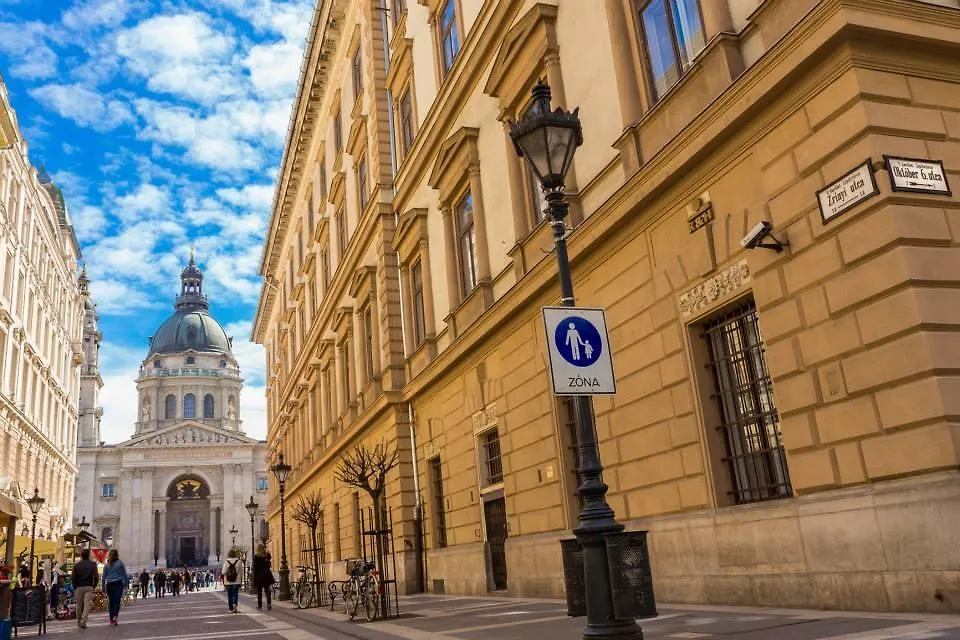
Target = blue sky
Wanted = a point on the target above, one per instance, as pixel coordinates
(163, 122)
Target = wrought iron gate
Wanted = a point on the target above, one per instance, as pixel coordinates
(495, 514)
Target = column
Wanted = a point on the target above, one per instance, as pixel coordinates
(123, 535)
(212, 541)
(521, 221)
(480, 225)
(137, 525)
(145, 556)
(229, 512)
(453, 271)
(162, 547)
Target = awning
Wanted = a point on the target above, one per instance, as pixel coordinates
(10, 507)
(43, 547)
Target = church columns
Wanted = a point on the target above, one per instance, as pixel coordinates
(212, 542)
(124, 529)
(145, 555)
(229, 505)
(162, 547)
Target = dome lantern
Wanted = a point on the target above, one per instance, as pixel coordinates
(191, 288)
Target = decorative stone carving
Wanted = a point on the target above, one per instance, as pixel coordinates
(231, 408)
(145, 410)
(716, 288)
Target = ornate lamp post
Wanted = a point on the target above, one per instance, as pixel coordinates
(252, 511)
(281, 471)
(547, 140)
(233, 536)
(35, 502)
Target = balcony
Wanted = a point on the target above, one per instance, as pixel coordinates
(147, 372)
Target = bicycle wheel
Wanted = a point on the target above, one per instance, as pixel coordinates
(304, 594)
(351, 599)
(371, 600)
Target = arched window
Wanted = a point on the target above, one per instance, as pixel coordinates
(208, 406)
(190, 360)
(107, 536)
(170, 407)
(156, 364)
(189, 406)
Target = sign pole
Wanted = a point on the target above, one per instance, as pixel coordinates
(597, 518)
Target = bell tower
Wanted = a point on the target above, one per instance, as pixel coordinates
(88, 432)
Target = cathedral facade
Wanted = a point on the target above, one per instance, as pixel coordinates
(175, 493)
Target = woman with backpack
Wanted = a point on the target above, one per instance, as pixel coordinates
(231, 580)
(115, 581)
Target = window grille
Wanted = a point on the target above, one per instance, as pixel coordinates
(491, 448)
(749, 422)
(440, 516)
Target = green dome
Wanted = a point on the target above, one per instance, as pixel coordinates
(190, 329)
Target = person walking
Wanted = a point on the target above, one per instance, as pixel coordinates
(231, 579)
(158, 579)
(84, 579)
(144, 584)
(115, 580)
(262, 577)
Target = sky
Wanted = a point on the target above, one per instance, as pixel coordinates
(163, 122)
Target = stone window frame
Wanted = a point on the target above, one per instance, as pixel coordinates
(435, 7)
(457, 171)
(400, 83)
(356, 67)
(109, 482)
(412, 242)
(646, 67)
(398, 13)
(357, 147)
(363, 289)
(336, 121)
(345, 361)
(530, 51)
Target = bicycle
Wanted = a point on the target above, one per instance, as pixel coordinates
(306, 588)
(363, 586)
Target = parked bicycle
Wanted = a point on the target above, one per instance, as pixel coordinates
(306, 588)
(363, 588)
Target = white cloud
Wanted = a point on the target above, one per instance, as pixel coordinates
(119, 394)
(146, 200)
(92, 14)
(273, 68)
(83, 105)
(116, 297)
(88, 222)
(250, 197)
(26, 44)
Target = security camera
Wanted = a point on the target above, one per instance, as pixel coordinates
(755, 238)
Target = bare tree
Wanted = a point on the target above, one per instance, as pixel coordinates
(309, 511)
(367, 469)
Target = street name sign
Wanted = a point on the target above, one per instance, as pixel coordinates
(579, 349)
(917, 176)
(847, 192)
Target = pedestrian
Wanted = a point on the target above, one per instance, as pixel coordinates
(231, 580)
(262, 577)
(54, 589)
(144, 583)
(115, 580)
(84, 579)
(158, 579)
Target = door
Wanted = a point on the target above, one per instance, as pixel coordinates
(495, 514)
(188, 550)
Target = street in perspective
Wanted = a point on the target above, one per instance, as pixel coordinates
(470, 319)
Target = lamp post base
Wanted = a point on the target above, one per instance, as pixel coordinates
(284, 593)
(613, 629)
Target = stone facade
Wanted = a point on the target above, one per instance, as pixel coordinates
(41, 350)
(784, 424)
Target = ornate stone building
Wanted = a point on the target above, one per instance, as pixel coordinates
(785, 423)
(170, 495)
(41, 313)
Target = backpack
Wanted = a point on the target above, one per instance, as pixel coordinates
(231, 574)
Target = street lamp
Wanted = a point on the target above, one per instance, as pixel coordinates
(252, 511)
(35, 503)
(233, 536)
(282, 471)
(547, 140)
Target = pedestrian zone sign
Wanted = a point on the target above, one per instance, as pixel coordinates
(580, 360)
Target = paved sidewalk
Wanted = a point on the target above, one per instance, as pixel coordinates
(428, 617)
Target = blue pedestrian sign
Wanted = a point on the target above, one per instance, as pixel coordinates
(579, 350)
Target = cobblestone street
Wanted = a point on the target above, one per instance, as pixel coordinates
(203, 616)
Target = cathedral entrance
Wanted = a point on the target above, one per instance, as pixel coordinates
(188, 522)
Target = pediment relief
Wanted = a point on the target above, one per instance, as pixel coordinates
(456, 155)
(521, 55)
(364, 280)
(337, 188)
(411, 230)
(357, 137)
(187, 435)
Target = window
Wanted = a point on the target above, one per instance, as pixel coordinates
(406, 121)
(416, 286)
(357, 527)
(336, 532)
(156, 364)
(368, 337)
(490, 441)
(342, 231)
(345, 361)
(189, 406)
(357, 66)
(325, 265)
(673, 35)
(744, 395)
(106, 534)
(191, 360)
(208, 406)
(439, 515)
(467, 245)
(362, 188)
(262, 484)
(310, 222)
(338, 132)
(170, 407)
(223, 364)
(570, 435)
(398, 8)
(322, 182)
(449, 35)
(109, 489)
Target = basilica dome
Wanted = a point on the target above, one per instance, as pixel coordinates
(191, 327)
